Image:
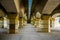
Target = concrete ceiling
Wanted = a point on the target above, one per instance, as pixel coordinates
(14, 5)
(44, 6)
(37, 6)
(9, 5)
(50, 6)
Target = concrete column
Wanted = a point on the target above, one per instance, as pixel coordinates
(24, 19)
(1, 22)
(33, 20)
(16, 24)
(45, 23)
(52, 22)
(12, 18)
(20, 22)
(37, 22)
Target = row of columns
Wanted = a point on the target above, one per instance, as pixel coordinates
(43, 24)
(14, 22)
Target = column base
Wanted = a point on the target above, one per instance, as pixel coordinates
(12, 29)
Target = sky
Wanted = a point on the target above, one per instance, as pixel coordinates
(30, 4)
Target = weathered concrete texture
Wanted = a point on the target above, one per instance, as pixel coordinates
(29, 33)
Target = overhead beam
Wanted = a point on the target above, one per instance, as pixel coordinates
(50, 6)
(9, 5)
(17, 4)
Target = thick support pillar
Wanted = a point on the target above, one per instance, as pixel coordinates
(1, 22)
(33, 20)
(37, 22)
(12, 18)
(52, 22)
(16, 24)
(38, 15)
(12, 25)
(45, 23)
(20, 22)
(24, 19)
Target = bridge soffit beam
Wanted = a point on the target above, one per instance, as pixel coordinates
(50, 6)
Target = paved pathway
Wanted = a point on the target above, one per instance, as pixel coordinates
(29, 33)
